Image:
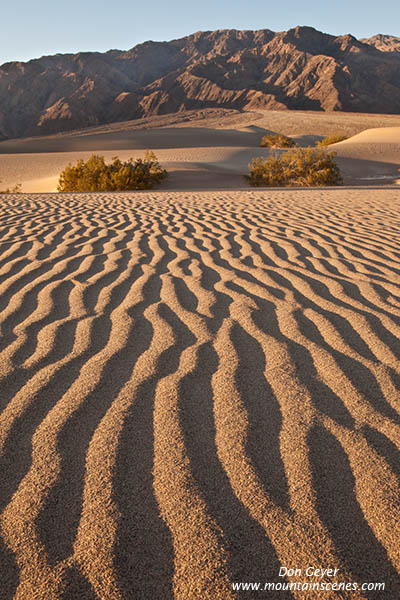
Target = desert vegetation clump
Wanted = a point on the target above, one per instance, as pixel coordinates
(95, 175)
(16, 189)
(277, 140)
(334, 138)
(303, 167)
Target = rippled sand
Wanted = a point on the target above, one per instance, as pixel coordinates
(198, 388)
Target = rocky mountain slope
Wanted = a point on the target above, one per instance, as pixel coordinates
(385, 43)
(298, 69)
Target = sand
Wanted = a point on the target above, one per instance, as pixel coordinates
(199, 388)
(209, 149)
(379, 148)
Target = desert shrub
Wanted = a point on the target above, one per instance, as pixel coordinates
(16, 189)
(303, 167)
(95, 175)
(277, 140)
(332, 139)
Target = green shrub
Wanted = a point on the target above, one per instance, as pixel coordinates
(95, 175)
(303, 167)
(277, 140)
(332, 139)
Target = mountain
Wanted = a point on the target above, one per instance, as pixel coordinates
(384, 43)
(298, 69)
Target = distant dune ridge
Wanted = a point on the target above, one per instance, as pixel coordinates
(197, 389)
(208, 148)
(298, 69)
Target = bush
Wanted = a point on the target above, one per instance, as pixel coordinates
(95, 175)
(277, 140)
(332, 139)
(17, 189)
(303, 167)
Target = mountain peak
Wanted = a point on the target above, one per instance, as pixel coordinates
(383, 42)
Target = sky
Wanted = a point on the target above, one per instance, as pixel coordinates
(33, 29)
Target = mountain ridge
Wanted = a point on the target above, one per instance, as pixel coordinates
(301, 68)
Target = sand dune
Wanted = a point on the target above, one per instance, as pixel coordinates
(378, 144)
(198, 388)
(372, 155)
(209, 152)
(376, 135)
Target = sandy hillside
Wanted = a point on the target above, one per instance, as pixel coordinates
(206, 149)
(377, 147)
(197, 389)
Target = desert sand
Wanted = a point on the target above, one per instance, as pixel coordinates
(208, 149)
(197, 389)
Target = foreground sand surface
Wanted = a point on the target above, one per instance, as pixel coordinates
(198, 388)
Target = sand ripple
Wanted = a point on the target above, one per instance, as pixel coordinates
(198, 388)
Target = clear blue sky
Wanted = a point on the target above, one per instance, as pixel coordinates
(33, 29)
